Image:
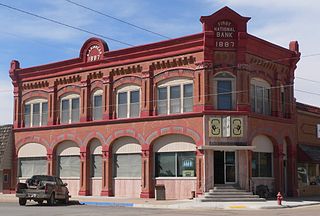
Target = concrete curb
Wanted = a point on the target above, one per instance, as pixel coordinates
(289, 206)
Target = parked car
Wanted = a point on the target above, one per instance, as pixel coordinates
(43, 187)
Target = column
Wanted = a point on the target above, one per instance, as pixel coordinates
(84, 171)
(106, 173)
(51, 163)
(52, 106)
(278, 169)
(107, 97)
(276, 98)
(202, 98)
(18, 121)
(146, 94)
(147, 184)
(242, 81)
(200, 172)
(84, 101)
(243, 88)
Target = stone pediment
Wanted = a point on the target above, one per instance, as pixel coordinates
(225, 17)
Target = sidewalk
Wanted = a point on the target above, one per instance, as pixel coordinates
(180, 204)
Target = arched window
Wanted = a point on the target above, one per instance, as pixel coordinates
(36, 113)
(224, 88)
(68, 154)
(96, 158)
(70, 109)
(128, 101)
(260, 93)
(175, 156)
(97, 105)
(127, 158)
(262, 162)
(175, 96)
(32, 158)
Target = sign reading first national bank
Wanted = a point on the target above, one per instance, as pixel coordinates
(226, 126)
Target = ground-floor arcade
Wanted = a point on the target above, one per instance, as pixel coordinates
(122, 161)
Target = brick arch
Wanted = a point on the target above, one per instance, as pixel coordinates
(69, 89)
(135, 80)
(35, 94)
(217, 72)
(121, 133)
(94, 135)
(262, 76)
(170, 130)
(96, 84)
(31, 139)
(53, 148)
(174, 73)
(65, 137)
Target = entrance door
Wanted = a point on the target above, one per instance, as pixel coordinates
(218, 167)
(224, 167)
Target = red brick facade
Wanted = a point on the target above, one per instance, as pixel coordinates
(224, 46)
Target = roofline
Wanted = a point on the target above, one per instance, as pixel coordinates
(115, 53)
(307, 108)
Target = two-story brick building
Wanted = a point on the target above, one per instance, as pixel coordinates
(216, 107)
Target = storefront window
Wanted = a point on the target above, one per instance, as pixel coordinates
(261, 164)
(175, 164)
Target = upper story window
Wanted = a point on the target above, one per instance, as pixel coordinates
(224, 88)
(128, 102)
(97, 105)
(175, 96)
(260, 94)
(36, 113)
(70, 109)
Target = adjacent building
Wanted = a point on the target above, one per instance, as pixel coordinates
(308, 151)
(216, 107)
(6, 147)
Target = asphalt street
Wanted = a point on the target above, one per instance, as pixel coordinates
(13, 209)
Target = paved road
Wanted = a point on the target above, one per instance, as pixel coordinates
(13, 209)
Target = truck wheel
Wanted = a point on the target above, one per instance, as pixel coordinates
(52, 200)
(22, 201)
(40, 202)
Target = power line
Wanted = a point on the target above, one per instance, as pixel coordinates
(315, 81)
(117, 19)
(64, 24)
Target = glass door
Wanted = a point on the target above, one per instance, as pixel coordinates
(230, 167)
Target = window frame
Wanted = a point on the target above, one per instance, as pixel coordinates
(174, 83)
(259, 165)
(96, 93)
(128, 90)
(31, 103)
(224, 76)
(70, 98)
(176, 164)
(266, 89)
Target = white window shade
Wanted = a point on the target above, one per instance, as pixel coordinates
(69, 166)
(32, 166)
(127, 165)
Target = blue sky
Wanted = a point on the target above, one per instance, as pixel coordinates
(33, 41)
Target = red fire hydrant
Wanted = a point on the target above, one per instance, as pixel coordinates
(279, 198)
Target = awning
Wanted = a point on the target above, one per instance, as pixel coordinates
(226, 147)
(308, 153)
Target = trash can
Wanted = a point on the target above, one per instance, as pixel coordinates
(160, 192)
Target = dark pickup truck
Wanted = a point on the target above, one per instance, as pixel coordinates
(43, 187)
